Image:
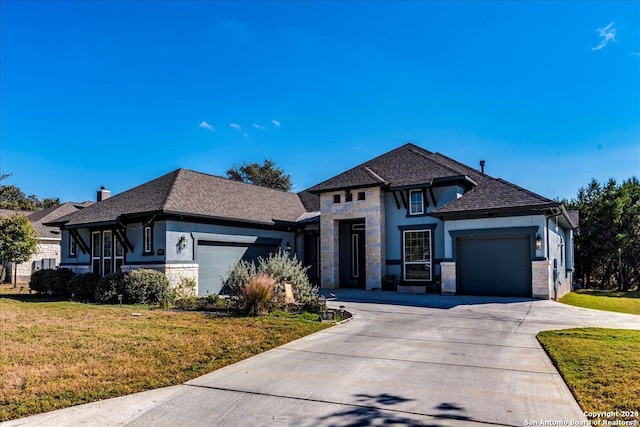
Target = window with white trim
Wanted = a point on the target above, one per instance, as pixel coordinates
(107, 252)
(148, 240)
(416, 202)
(72, 247)
(96, 252)
(417, 255)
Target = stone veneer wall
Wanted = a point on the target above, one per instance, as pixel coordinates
(372, 210)
(540, 274)
(448, 276)
(45, 249)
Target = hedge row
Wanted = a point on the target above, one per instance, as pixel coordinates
(137, 287)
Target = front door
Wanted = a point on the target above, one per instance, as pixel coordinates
(352, 254)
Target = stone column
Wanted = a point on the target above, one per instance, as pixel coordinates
(448, 276)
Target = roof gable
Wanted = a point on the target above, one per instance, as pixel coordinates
(404, 166)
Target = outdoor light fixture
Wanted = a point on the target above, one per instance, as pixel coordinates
(287, 247)
(538, 242)
(182, 243)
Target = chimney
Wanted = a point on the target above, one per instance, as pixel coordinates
(482, 163)
(102, 194)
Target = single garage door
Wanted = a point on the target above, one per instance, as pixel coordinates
(216, 259)
(496, 266)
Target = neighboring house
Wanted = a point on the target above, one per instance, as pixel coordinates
(186, 224)
(47, 254)
(432, 222)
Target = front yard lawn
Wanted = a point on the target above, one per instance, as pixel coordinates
(621, 302)
(59, 354)
(600, 366)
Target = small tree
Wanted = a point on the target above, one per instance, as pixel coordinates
(18, 241)
(266, 174)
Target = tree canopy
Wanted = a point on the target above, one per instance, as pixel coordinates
(18, 239)
(266, 174)
(11, 197)
(608, 244)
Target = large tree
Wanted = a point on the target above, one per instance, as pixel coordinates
(266, 174)
(11, 197)
(18, 240)
(608, 245)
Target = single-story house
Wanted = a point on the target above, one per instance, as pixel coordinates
(420, 218)
(47, 254)
(186, 224)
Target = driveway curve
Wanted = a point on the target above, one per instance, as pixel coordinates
(414, 360)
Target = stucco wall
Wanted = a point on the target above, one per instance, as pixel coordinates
(484, 223)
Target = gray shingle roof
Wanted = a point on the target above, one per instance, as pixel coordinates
(192, 193)
(404, 166)
(39, 218)
(410, 165)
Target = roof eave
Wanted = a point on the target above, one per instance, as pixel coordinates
(500, 211)
(347, 187)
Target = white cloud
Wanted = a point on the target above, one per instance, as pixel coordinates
(257, 126)
(206, 125)
(235, 126)
(608, 34)
(275, 123)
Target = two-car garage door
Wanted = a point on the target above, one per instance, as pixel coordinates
(496, 266)
(215, 259)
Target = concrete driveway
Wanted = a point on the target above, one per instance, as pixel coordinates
(419, 360)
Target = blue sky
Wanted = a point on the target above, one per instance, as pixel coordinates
(116, 93)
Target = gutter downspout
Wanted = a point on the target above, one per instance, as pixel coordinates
(547, 243)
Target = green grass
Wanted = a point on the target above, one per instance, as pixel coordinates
(59, 354)
(620, 302)
(600, 366)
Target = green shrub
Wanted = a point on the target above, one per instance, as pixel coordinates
(83, 286)
(184, 291)
(280, 266)
(239, 274)
(109, 287)
(146, 286)
(257, 294)
(54, 282)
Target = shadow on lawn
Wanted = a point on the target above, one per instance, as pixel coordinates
(379, 410)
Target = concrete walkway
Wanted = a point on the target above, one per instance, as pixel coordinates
(419, 360)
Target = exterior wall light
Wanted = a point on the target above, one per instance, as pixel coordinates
(182, 243)
(287, 247)
(538, 242)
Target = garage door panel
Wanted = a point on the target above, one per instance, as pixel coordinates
(499, 266)
(216, 259)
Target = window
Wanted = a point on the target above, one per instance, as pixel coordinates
(72, 247)
(107, 252)
(148, 240)
(96, 252)
(336, 198)
(355, 256)
(417, 255)
(348, 196)
(416, 205)
(361, 195)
